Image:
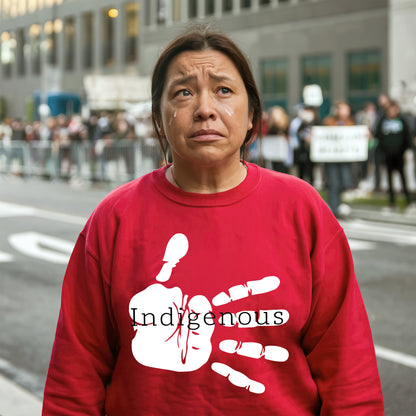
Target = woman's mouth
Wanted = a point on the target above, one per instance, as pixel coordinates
(206, 135)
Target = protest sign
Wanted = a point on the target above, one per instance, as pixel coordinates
(275, 148)
(339, 144)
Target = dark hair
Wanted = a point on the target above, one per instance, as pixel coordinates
(198, 39)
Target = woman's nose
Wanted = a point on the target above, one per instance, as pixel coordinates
(205, 107)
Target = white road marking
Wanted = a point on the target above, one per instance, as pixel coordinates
(16, 401)
(5, 257)
(41, 246)
(15, 210)
(358, 245)
(379, 232)
(395, 356)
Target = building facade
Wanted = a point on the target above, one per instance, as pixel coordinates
(353, 49)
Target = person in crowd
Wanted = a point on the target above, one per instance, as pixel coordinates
(278, 128)
(379, 162)
(211, 286)
(367, 117)
(309, 117)
(394, 139)
(338, 174)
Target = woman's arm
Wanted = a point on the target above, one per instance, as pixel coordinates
(338, 342)
(84, 350)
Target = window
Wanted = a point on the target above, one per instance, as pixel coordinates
(131, 32)
(317, 70)
(51, 43)
(69, 32)
(264, 2)
(245, 4)
(22, 7)
(274, 81)
(176, 10)
(8, 45)
(108, 38)
(20, 52)
(34, 34)
(87, 40)
(209, 7)
(364, 77)
(227, 5)
(161, 11)
(192, 8)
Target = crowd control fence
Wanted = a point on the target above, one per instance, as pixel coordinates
(115, 161)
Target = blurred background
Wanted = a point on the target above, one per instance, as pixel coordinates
(75, 123)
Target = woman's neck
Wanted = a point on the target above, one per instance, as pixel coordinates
(207, 180)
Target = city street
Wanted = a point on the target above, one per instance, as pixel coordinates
(40, 221)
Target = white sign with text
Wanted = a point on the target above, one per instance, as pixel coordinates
(339, 144)
(275, 148)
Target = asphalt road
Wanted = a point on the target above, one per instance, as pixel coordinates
(39, 222)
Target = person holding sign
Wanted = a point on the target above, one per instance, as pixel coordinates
(338, 174)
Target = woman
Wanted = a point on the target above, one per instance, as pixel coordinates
(211, 286)
(338, 174)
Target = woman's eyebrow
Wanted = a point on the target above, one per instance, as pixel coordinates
(220, 77)
(189, 78)
(182, 80)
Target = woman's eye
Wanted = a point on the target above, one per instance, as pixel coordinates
(183, 93)
(224, 90)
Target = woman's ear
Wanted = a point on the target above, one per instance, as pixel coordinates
(250, 119)
(159, 125)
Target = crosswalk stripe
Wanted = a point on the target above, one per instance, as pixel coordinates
(395, 356)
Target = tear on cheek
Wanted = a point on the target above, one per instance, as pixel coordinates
(172, 117)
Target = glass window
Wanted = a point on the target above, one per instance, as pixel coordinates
(245, 4)
(176, 10)
(264, 2)
(22, 7)
(87, 40)
(227, 5)
(5, 8)
(69, 32)
(107, 38)
(51, 43)
(8, 45)
(161, 11)
(31, 5)
(34, 34)
(364, 77)
(131, 31)
(209, 7)
(20, 52)
(192, 8)
(317, 70)
(274, 81)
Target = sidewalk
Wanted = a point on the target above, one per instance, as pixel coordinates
(374, 207)
(16, 401)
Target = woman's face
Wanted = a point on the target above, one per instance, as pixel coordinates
(204, 108)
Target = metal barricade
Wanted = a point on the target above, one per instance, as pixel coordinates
(110, 161)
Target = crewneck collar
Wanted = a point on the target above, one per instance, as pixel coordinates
(224, 198)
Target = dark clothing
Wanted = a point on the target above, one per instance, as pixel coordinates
(394, 139)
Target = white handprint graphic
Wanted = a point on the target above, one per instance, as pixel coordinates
(171, 334)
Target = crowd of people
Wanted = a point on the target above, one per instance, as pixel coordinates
(391, 134)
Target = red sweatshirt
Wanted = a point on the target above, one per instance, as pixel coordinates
(240, 303)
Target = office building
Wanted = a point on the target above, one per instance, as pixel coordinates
(353, 49)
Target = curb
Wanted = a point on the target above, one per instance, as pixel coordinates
(16, 401)
(384, 215)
